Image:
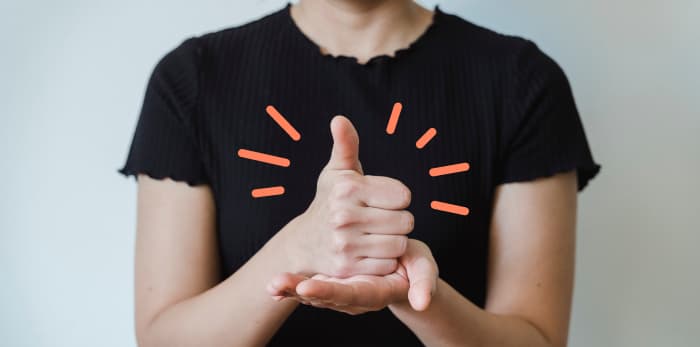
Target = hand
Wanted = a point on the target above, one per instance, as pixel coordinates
(414, 280)
(356, 224)
(354, 295)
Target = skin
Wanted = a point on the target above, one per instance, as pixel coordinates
(361, 28)
(532, 239)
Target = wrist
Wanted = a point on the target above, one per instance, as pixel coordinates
(400, 303)
(290, 250)
(400, 306)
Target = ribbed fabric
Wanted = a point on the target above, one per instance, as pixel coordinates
(496, 102)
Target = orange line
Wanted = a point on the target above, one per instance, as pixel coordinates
(449, 169)
(423, 140)
(262, 157)
(283, 123)
(394, 118)
(267, 191)
(445, 207)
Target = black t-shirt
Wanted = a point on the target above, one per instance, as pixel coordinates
(495, 101)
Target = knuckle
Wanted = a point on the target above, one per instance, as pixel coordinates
(401, 191)
(345, 188)
(401, 245)
(340, 217)
(405, 195)
(385, 267)
(341, 245)
(333, 205)
(343, 268)
(391, 266)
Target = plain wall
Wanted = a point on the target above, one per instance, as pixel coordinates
(72, 77)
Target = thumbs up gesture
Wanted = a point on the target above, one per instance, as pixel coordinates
(356, 224)
(354, 254)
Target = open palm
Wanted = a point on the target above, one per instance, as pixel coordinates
(414, 279)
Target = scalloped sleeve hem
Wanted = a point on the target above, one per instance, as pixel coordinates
(543, 134)
(166, 142)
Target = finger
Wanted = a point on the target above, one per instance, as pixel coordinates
(346, 145)
(338, 293)
(422, 278)
(316, 302)
(373, 220)
(284, 283)
(342, 294)
(381, 246)
(374, 266)
(384, 192)
(351, 310)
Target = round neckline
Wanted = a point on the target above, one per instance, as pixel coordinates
(421, 40)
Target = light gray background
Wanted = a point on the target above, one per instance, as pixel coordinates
(72, 77)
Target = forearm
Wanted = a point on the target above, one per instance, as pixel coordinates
(236, 312)
(452, 320)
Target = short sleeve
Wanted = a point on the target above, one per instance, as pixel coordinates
(542, 133)
(165, 142)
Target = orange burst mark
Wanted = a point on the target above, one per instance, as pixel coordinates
(449, 169)
(423, 140)
(267, 191)
(394, 118)
(262, 157)
(445, 207)
(283, 123)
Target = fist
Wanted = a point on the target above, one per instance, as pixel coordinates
(356, 224)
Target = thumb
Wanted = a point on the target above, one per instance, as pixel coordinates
(422, 278)
(346, 146)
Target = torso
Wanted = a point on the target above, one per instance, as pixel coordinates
(269, 62)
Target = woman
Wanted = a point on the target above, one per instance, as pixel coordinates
(470, 158)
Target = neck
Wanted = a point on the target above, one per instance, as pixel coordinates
(361, 28)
